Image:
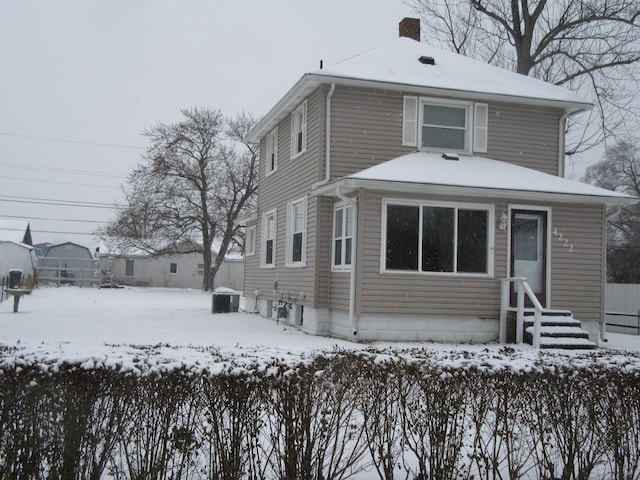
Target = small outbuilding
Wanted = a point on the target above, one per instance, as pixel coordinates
(18, 256)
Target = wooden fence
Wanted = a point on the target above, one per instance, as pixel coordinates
(622, 304)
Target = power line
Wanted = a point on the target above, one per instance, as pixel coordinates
(58, 182)
(54, 219)
(91, 173)
(48, 231)
(52, 201)
(64, 140)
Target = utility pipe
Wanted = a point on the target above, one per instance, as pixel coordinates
(352, 278)
(327, 140)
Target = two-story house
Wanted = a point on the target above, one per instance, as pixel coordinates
(398, 187)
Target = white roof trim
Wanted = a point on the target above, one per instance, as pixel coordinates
(472, 176)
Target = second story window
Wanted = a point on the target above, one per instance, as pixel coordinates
(299, 130)
(269, 239)
(272, 151)
(445, 125)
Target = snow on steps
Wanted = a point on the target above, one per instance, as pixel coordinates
(558, 329)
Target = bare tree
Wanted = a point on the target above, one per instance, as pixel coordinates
(620, 171)
(591, 46)
(191, 185)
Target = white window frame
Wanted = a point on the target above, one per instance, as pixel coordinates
(476, 119)
(299, 126)
(271, 159)
(266, 237)
(489, 208)
(200, 269)
(171, 264)
(291, 232)
(468, 109)
(342, 266)
(250, 241)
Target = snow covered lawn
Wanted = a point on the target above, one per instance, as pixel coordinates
(109, 325)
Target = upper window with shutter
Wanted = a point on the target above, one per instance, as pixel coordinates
(444, 125)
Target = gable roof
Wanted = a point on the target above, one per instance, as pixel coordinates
(397, 66)
(472, 176)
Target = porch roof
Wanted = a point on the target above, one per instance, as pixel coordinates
(470, 175)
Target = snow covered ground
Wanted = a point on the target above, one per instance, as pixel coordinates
(111, 326)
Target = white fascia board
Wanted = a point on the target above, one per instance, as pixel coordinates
(350, 185)
(310, 81)
(285, 106)
(570, 107)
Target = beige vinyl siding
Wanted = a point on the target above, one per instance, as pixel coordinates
(366, 130)
(576, 277)
(420, 294)
(323, 241)
(524, 135)
(291, 181)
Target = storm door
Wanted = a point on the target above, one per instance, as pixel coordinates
(529, 250)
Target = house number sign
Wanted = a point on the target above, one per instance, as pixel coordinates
(565, 241)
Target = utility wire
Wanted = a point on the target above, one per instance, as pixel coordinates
(72, 171)
(65, 203)
(64, 140)
(48, 231)
(54, 219)
(75, 184)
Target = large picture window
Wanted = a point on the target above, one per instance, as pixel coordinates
(342, 237)
(437, 238)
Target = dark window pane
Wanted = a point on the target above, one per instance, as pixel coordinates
(347, 251)
(297, 247)
(472, 241)
(443, 138)
(402, 237)
(437, 239)
(337, 256)
(444, 115)
(269, 253)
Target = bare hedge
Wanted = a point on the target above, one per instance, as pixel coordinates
(338, 415)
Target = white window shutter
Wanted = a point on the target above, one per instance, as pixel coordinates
(410, 122)
(481, 127)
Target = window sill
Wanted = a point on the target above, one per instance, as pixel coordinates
(439, 274)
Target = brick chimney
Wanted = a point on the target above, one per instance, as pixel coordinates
(410, 28)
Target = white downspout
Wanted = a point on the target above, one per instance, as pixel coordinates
(352, 278)
(327, 140)
(561, 144)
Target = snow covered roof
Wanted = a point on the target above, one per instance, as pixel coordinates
(397, 66)
(470, 175)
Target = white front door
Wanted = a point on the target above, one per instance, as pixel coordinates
(528, 249)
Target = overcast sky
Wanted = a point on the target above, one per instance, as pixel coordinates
(81, 79)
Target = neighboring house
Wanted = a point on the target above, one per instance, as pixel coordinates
(16, 231)
(398, 187)
(183, 268)
(18, 256)
(69, 264)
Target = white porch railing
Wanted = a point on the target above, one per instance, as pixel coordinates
(522, 288)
